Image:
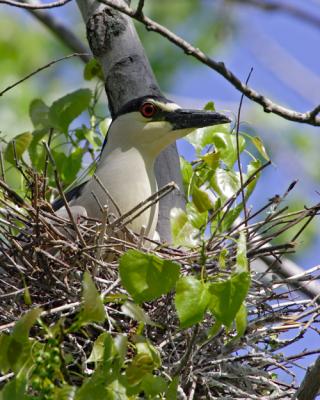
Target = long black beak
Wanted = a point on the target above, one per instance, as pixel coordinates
(183, 119)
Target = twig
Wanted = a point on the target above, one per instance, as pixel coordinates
(245, 211)
(35, 6)
(61, 193)
(311, 383)
(39, 70)
(165, 190)
(309, 117)
(139, 10)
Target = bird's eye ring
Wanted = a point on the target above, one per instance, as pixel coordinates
(148, 110)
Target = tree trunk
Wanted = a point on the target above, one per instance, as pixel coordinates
(114, 42)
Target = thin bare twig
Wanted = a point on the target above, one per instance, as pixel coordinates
(245, 211)
(39, 70)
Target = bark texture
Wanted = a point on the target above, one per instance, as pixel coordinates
(114, 42)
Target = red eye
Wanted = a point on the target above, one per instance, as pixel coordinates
(148, 109)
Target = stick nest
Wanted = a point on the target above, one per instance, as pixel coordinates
(44, 256)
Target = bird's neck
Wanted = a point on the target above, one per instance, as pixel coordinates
(130, 177)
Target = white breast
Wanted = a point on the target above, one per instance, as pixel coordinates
(129, 179)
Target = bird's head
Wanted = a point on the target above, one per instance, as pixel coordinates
(151, 123)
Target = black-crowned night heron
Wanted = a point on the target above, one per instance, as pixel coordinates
(138, 133)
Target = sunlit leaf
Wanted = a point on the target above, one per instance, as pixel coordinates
(135, 312)
(241, 320)
(211, 159)
(39, 114)
(197, 219)
(92, 70)
(172, 392)
(186, 172)
(225, 183)
(191, 300)
(227, 296)
(16, 147)
(242, 260)
(201, 200)
(260, 147)
(226, 144)
(183, 233)
(153, 385)
(92, 308)
(210, 106)
(63, 111)
(36, 150)
(146, 276)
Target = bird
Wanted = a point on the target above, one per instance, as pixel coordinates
(139, 131)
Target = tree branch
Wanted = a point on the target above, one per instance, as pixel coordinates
(310, 385)
(34, 6)
(310, 117)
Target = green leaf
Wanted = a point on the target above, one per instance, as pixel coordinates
(144, 346)
(186, 172)
(251, 169)
(225, 183)
(212, 159)
(5, 341)
(141, 365)
(20, 143)
(93, 138)
(137, 313)
(66, 392)
(210, 106)
(200, 138)
(227, 297)
(15, 390)
(104, 126)
(92, 70)
(182, 231)
(172, 392)
(145, 361)
(36, 150)
(153, 385)
(99, 385)
(260, 147)
(97, 351)
(22, 327)
(39, 114)
(226, 144)
(197, 219)
(191, 300)
(241, 320)
(146, 276)
(201, 200)
(93, 308)
(68, 164)
(242, 260)
(222, 258)
(63, 111)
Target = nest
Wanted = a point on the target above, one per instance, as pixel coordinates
(44, 255)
